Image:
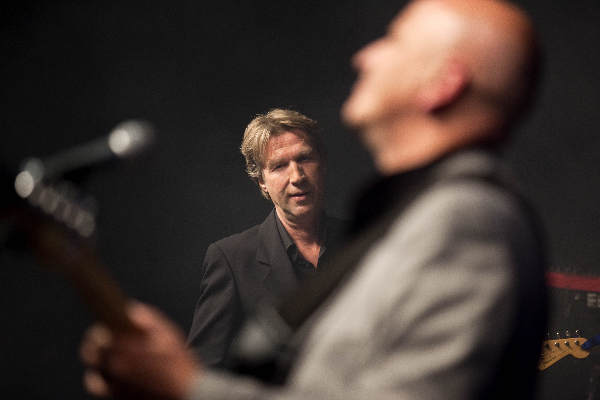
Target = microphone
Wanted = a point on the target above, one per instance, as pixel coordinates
(41, 181)
(127, 139)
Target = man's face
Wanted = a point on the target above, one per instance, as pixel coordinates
(392, 69)
(293, 176)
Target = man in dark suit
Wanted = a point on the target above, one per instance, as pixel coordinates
(285, 157)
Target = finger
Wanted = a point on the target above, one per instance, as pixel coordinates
(95, 383)
(100, 335)
(96, 340)
(151, 321)
(144, 315)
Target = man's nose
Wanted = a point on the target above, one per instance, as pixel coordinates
(296, 172)
(361, 59)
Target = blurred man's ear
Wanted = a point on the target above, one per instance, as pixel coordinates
(448, 86)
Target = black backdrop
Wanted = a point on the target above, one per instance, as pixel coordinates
(199, 71)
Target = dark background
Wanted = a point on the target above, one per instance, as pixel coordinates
(72, 70)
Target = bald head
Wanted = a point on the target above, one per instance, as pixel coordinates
(496, 45)
(447, 73)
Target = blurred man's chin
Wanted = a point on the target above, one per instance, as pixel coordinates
(358, 109)
(350, 113)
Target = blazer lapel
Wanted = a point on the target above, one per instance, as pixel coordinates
(274, 268)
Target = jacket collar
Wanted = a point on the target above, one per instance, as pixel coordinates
(386, 193)
(274, 267)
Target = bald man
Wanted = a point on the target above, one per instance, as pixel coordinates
(446, 298)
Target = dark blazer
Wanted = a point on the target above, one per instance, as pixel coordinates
(239, 271)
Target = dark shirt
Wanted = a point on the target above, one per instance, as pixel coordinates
(302, 267)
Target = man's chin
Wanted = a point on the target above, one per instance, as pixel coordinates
(347, 113)
(302, 211)
(353, 113)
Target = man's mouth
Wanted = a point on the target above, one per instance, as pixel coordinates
(299, 194)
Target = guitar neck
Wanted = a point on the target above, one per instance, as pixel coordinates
(91, 279)
(593, 341)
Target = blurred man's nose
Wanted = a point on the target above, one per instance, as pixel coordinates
(363, 57)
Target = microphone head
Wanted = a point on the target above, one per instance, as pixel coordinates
(127, 139)
(131, 137)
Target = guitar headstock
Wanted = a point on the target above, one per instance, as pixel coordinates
(554, 350)
(54, 218)
(60, 200)
(57, 222)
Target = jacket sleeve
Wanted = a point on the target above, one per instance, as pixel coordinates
(217, 313)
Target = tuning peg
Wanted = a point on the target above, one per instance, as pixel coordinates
(63, 202)
(567, 333)
(556, 338)
(578, 335)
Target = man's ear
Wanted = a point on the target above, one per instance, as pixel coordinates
(262, 185)
(446, 88)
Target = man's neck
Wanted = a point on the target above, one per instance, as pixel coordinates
(303, 230)
(402, 146)
(305, 234)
